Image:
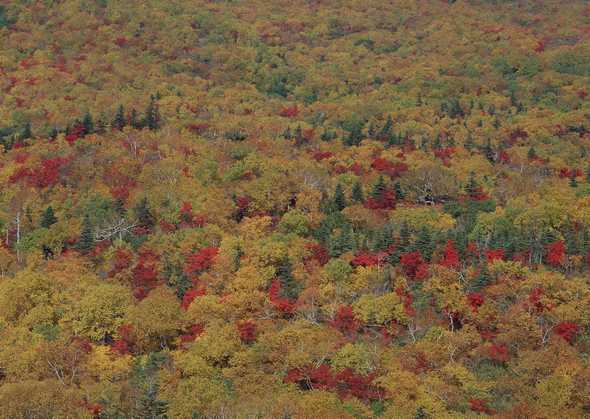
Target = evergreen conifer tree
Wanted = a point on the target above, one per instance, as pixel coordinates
(48, 218)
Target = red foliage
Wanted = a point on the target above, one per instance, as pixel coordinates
(284, 305)
(41, 177)
(444, 153)
(494, 254)
(451, 256)
(21, 157)
(413, 265)
(476, 300)
(389, 168)
(556, 253)
(121, 41)
(190, 296)
(121, 347)
(566, 330)
(321, 155)
(385, 201)
(566, 172)
(345, 321)
(408, 300)
(193, 332)
(198, 128)
(480, 406)
(535, 300)
(200, 260)
(145, 272)
(319, 253)
(247, 331)
(365, 259)
(94, 409)
(289, 112)
(498, 353)
(346, 383)
(356, 168)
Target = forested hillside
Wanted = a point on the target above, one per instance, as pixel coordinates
(294, 209)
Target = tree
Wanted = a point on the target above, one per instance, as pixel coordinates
(152, 115)
(119, 122)
(88, 123)
(143, 214)
(86, 241)
(339, 198)
(357, 193)
(48, 218)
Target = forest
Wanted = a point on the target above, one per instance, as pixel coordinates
(339, 209)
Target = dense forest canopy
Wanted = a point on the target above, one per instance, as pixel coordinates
(294, 209)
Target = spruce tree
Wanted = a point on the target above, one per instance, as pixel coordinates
(53, 132)
(119, 121)
(152, 115)
(472, 187)
(88, 123)
(531, 154)
(86, 241)
(48, 218)
(424, 243)
(387, 130)
(357, 193)
(143, 214)
(573, 181)
(379, 188)
(26, 132)
(399, 193)
(339, 199)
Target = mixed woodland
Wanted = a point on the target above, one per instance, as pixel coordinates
(294, 209)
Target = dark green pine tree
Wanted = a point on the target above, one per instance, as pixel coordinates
(355, 135)
(48, 218)
(26, 132)
(387, 130)
(86, 241)
(399, 193)
(88, 123)
(472, 187)
(341, 241)
(379, 188)
(339, 198)
(290, 288)
(588, 173)
(53, 132)
(383, 238)
(405, 236)
(144, 215)
(152, 115)
(424, 243)
(145, 380)
(149, 406)
(437, 144)
(573, 181)
(119, 121)
(357, 193)
(482, 279)
(532, 154)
